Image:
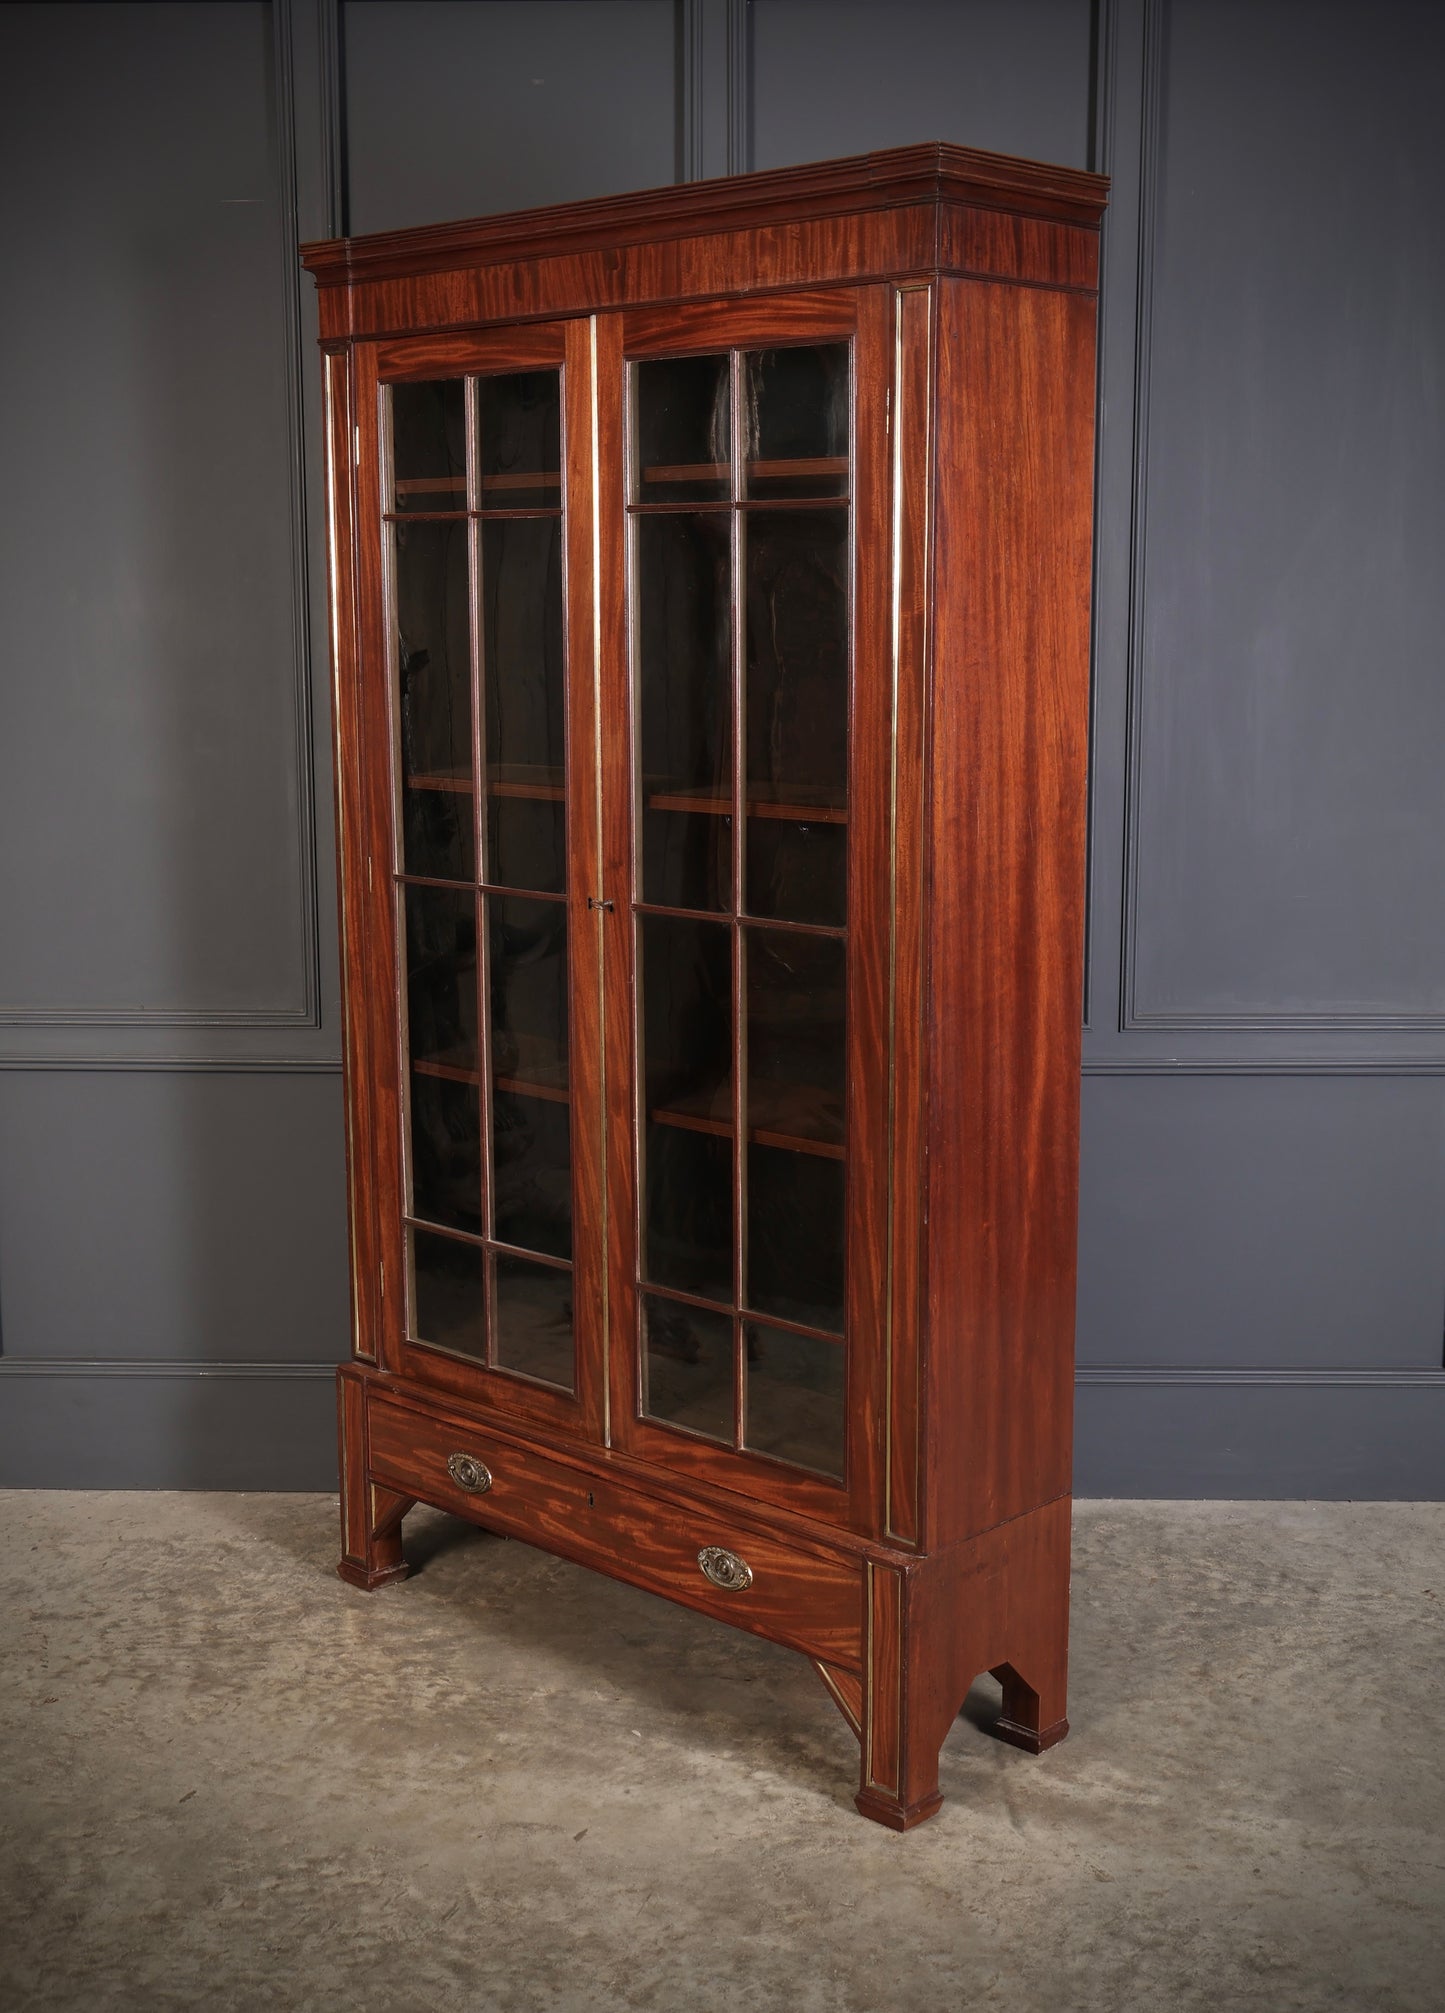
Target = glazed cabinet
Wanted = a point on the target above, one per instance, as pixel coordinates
(710, 580)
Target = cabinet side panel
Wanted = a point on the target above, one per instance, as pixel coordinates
(1007, 823)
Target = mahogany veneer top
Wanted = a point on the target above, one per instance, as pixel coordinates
(935, 171)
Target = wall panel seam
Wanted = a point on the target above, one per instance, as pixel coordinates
(1246, 1378)
(139, 1366)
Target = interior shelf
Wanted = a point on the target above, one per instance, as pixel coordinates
(536, 1071)
(760, 471)
(506, 780)
(458, 781)
(522, 779)
(795, 1117)
(456, 485)
(541, 478)
(794, 809)
(431, 485)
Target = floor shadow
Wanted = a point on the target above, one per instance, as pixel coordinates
(984, 1705)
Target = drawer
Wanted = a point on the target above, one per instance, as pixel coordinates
(806, 1599)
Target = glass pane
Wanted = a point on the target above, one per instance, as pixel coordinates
(797, 701)
(684, 429)
(519, 433)
(794, 1398)
(441, 977)
(799, 871)
(796, 1030)
(429, 446)
(534, 1320)
(448, 1293)
(684, 648)
(523, 669)
(531, 1150)
(532, 1156)
(433, 634)
(796, 993)
(446, 1148)
(526, 836)
(795, 416)
(795, 1236)
(688, 1367)
(686, 1044)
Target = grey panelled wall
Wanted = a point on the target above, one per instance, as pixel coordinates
(1262, 1281)
(173, 1278)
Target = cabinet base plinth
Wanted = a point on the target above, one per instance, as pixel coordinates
(897, 1637)
(885, 1809)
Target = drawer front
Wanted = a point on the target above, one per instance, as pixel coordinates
(802, 1598)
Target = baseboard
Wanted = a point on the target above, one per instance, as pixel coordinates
(1328, 1435)
(168, 1426)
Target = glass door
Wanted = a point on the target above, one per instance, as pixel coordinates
(752, 856)
(475, 537)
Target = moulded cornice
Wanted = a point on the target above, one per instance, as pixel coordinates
(935, 172)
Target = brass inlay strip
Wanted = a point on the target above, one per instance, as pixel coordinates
(600, 914)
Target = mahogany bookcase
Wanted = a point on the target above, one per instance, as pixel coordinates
(710, 576)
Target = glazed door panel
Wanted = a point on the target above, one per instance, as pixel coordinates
(475, 505)
(746, 730)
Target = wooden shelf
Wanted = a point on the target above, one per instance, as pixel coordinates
(541, 478)
(459, 783)
(537, 1072)
(456, 485)
(513, 780)
(707, 804)
(521, 779)
(796, 1118)
(760, 471)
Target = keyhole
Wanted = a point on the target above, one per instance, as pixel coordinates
(590, 1499)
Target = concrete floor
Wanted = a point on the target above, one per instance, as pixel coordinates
(229, 1781)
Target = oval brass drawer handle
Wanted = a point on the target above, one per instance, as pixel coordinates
(469, 1473)
(725, 1569)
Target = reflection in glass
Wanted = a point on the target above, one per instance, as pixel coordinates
(526, 837)
(446, 1148)
(798, 871)
(687, 859)
(688, 1367)
(533, 1312)
(796, 995)
(684, 446)
(433, 630)
(523, 669)
(687, 1022)
(684, 656)
(532, 1183)
(441, 976)
(519, 438)
(797, 656)
(429, 446)
(796, 1030)
(795, 420)
(448, 1293)
(531, 1146)
(794, 1398)
(795, 1236)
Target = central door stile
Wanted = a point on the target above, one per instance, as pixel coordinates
(586, 872)
(614, 682)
